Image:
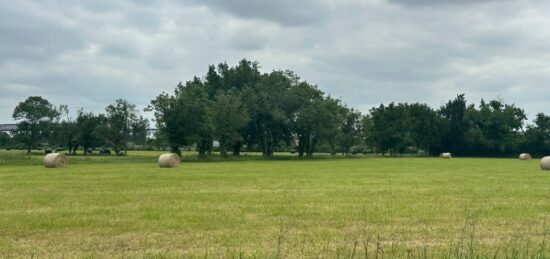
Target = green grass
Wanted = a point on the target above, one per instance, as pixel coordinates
(19, 157)
(382, 207)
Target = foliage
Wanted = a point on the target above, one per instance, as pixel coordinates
(350, 129)
(242, 108)
(455, 125)
(64, 131)
(122, 124)
(183, 118)
(229, 118)
(5, 139)
(35, 116)
(537, 136)
(88, 128)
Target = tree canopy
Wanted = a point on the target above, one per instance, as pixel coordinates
(241, 108)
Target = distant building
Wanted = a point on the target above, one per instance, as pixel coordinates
(8, 127)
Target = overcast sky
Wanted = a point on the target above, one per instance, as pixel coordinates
(89, 53)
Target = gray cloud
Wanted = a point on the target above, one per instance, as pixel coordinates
(89, 53)
(423, 3)
(30, 33)
(284, 12)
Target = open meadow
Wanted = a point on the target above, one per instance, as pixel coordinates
(359, 207)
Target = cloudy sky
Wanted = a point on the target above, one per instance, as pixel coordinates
(89, 53)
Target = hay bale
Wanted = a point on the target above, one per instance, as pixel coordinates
(56, 160)
(169, 160)
(545, 163)
(524, 156)
(445, 155)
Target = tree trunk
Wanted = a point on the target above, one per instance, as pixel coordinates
(311, 148)
(267, 150)
(31, 142)
(237, 149)
(223, 149)
(301, 149)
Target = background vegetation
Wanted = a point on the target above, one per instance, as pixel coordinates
(235, 109)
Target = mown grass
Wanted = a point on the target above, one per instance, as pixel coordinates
(379, 207)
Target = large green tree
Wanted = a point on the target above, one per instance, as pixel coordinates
(350, 130)
(87, 127)
(456, 125)
(314, 119)
(139, 128)
(183, 118)
(392, 129)
(35, 116)
(120, 118)
(268, 104)
(538, 136)
(495, 128)
(241, 78)
(229, 118)
(426, 127)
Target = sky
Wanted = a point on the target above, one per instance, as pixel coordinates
(86, 54)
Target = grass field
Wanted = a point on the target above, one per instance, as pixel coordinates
(380, 207)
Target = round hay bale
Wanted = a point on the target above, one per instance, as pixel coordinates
(55, 160)
(169, 160)
(445, 155)
(545, 163)
(524, 156)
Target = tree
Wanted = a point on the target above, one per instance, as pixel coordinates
(138, 129)
(229, 117)
(456, 126)
(35, 116)
(538, 135)
(313, 120)
(87, 128)
(165, 108)
(5, 139)
(119, 120)
(426, 127)
(183, 118)
(243, 77)
(192, 100)
(64, 130)
(350, 130)
(269, 108)
(495, 128)
(367, 128)
(392, 128)
(333, 126)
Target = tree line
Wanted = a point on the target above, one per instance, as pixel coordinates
(239, 108)
(40, 122)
